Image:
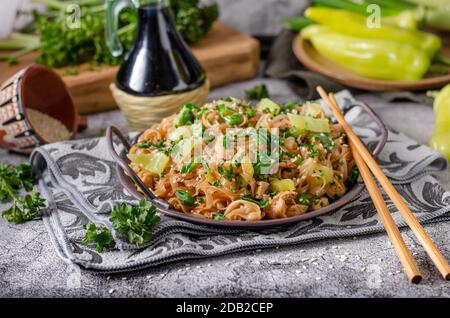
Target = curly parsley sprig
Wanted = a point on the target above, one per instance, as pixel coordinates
(12, 180)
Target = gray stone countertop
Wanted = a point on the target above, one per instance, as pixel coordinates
(360, 267)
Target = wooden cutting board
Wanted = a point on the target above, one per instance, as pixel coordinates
(226, 54)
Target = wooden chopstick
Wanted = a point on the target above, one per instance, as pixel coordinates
(429, 246)
(411, 269)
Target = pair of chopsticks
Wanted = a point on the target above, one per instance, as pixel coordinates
(365, 161)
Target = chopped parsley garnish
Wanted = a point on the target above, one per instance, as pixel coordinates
(218, 217)
(188, 168)
(326, 141)
(297, 160)
(187, 114)
(184, 197)
(99, 235)
(227, 173)
(353, 176)
(303, 199)
(261, 203)
(234, 119)
(286, 108)
(250, 112)
(135, 222)
(200, 200)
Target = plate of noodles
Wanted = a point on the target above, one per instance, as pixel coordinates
(232, 164)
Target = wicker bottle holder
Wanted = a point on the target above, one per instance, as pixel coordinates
(142, 112)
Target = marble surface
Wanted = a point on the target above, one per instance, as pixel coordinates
(361, 267)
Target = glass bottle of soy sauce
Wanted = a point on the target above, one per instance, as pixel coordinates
(159, 61)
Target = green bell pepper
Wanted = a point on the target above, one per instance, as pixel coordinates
(356, 25)
(440, 141)
(373, 58)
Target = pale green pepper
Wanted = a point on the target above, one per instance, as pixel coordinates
(352, 24)
(440, 141)
(373, 58)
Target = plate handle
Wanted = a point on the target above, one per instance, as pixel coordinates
(114, 131)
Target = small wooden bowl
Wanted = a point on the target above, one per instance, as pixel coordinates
(316, 62)
(40, 88)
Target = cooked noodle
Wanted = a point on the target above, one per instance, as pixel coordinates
(229, 180)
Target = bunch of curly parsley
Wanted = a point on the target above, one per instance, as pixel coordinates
(64, 46)
(12, 181)
(134, 223)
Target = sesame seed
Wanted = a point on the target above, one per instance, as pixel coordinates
(298, 271)
(209, 264)
(124, 278)
(330, 266)
(304, 259)
(111, 290)
(315, 263)
(318, 278)
(304, 267)
(398, 272)
(415, 253)
(334, 247)
(288, 254)
(258, 250)
(108, 278)
(149, 276)
(200, 271)
(390, 273)
(198, 267)
(162, 275)
(227, 264)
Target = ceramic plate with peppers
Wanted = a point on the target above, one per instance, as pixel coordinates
(375, 50)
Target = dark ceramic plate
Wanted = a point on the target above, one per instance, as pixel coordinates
(130, 180)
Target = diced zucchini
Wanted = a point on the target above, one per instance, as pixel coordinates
(180, 133)
(247, 166)
(210, 178)
(182, 150)
(266, 105)
(155, 162)
(322, 175)
(304, 123)
(312, 110)
(282, 185)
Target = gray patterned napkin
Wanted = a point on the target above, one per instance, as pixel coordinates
(80, 183)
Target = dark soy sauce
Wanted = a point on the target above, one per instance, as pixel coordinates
(159, 62)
